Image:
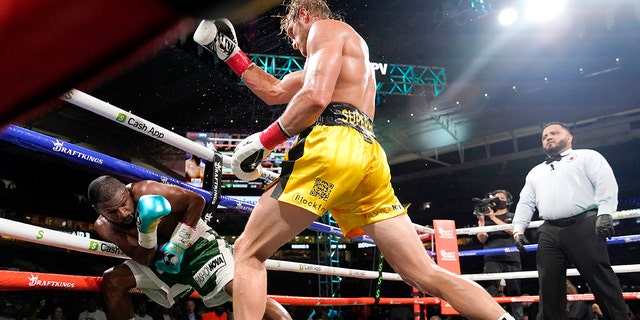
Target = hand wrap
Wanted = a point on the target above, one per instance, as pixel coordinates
(171, 254)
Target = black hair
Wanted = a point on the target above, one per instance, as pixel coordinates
(506, 193)
(562, 124)
(103, 189)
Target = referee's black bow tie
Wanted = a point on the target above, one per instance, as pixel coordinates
(557, 157)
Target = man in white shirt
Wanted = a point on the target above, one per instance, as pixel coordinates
(575, 192)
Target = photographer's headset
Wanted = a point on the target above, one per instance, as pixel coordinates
(502, 204)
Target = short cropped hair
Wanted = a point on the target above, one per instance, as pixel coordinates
(562, 124)
(103, 189)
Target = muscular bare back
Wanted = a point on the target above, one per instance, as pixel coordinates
(356, 82)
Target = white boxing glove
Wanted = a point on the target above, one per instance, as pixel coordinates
(219, 37)
(247, 157)
(250, 152)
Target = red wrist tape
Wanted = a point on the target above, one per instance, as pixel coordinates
(239, 63)
(273, 135)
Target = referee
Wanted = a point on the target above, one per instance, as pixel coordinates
(575, 192)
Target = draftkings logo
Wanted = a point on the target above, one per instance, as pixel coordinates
(35, 282)
(59, 147)
(243, 207)
(445, 233)
(447, 255)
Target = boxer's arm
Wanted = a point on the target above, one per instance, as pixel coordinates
(271, 90)
(186, 204)
(219, 37)
(127, 242)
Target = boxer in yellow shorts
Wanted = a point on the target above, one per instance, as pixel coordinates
(322, 173)
(336, 166)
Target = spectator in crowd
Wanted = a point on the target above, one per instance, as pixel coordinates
(92, 312)
(56, 314)
(189, 312)
(141, 312)
(216, 313)
(577, 310)
(400, 313)
(529, 308)
(7, 311)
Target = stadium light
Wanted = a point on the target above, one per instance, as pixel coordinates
(543, 10)
(508, 16)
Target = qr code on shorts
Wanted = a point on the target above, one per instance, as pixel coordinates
(321, 189)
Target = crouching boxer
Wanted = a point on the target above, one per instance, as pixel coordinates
(172, 250)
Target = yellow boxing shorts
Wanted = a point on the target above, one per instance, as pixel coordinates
(337, 165)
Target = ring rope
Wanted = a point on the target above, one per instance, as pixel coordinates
(86, 157)
(150, 129)
(44, 236)
(534, 247)
(22, 280)
(624, 214)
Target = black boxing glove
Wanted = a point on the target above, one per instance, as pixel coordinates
(520, 240)
(219, 37)
(604, 226)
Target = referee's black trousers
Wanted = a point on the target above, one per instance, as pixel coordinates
(563, 243)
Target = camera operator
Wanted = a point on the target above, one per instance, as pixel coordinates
(494, 210)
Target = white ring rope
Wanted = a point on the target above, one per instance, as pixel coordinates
(148, 128)
(632, 213)
(44, 236)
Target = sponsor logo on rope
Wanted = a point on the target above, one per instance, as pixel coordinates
(357, 273)
(140, 126)
(110, 248)
(243, 207)
(93, 246)
(58, 146)
(40, 234)
(309, 267)
(209, 269)
(35, 282)
(121, 117)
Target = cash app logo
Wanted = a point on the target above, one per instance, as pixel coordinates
(121, 117)
(93, 245)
